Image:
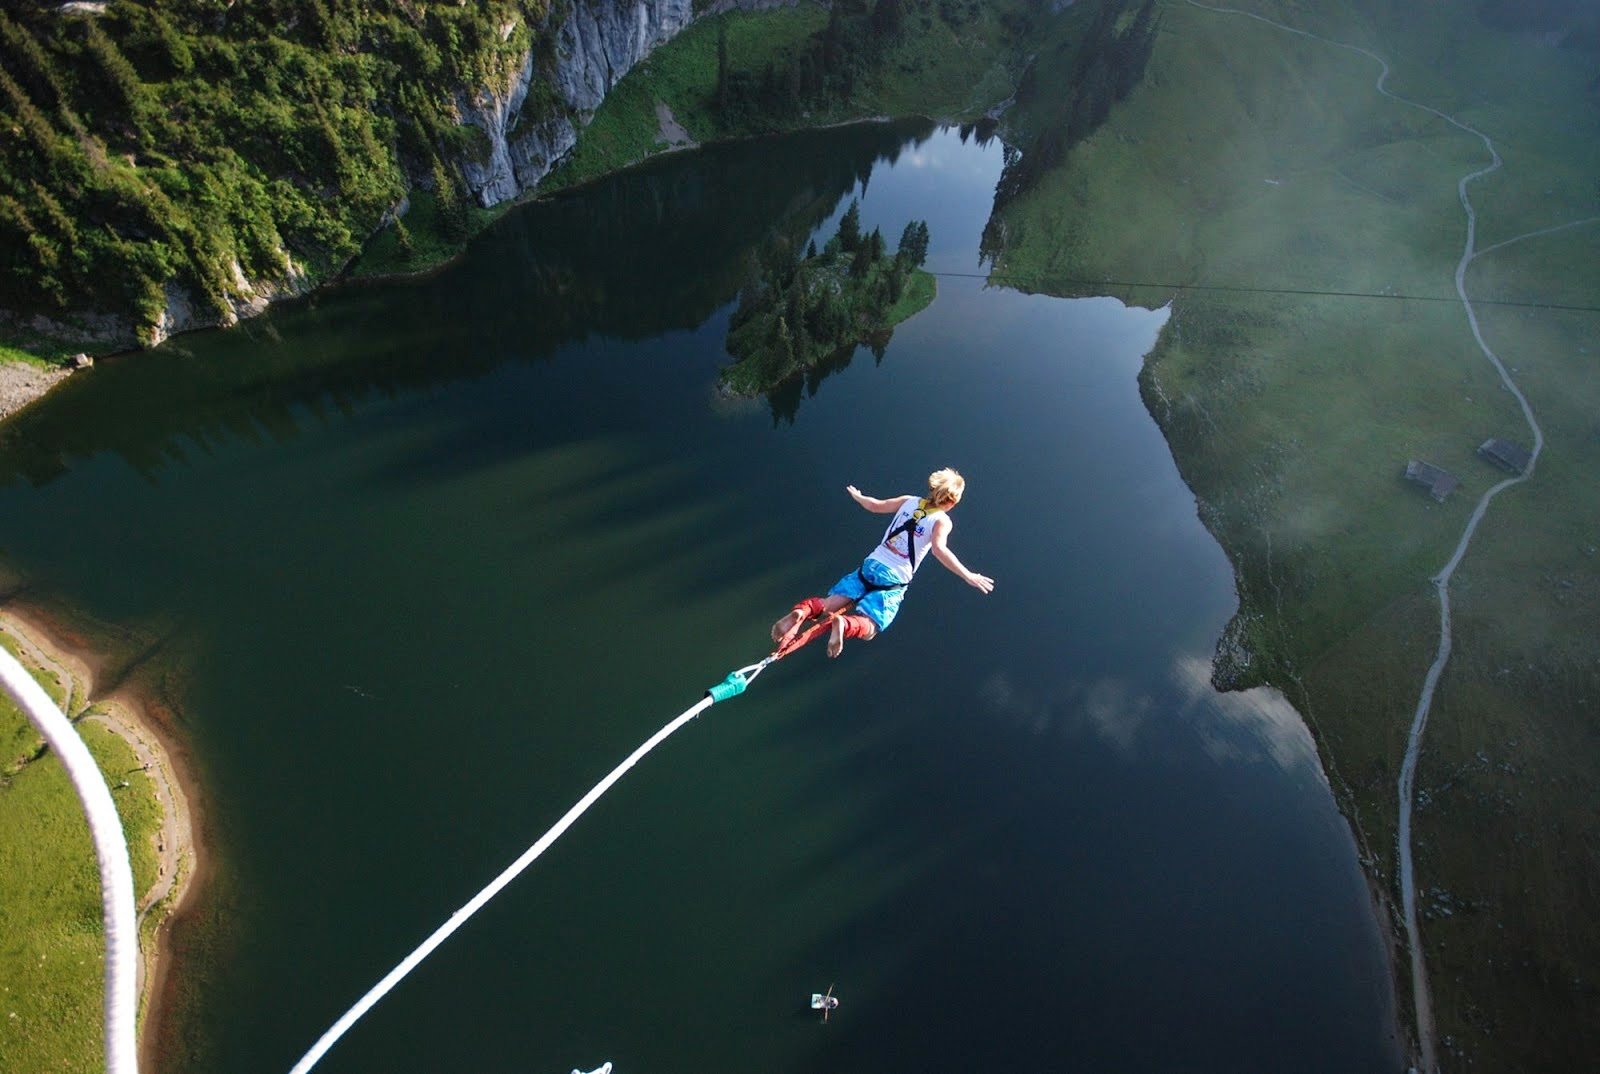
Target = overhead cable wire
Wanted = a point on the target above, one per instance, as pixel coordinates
(1305, 292)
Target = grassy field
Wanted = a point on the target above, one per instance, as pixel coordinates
(52, 946)
(430, 245)
(1257, 160)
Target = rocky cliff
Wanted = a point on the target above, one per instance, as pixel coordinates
(595, 43)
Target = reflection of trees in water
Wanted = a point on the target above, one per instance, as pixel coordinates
(784, 400)
(1065, 94)
(689, 228)
(656, 249)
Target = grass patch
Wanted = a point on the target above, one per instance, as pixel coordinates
(921, 289)
(39, 350)
(1252, 158)
(34, 357)
(429, 243)
(52, 946)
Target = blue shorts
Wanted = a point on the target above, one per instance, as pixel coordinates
(880, 605)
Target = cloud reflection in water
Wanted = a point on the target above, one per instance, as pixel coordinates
(1254, 725)
(1250, 726)
(1109, 708)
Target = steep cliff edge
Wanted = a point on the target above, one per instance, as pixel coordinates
(577, 61)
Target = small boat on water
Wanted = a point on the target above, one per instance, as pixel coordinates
(603, 1068)
(824, 1002)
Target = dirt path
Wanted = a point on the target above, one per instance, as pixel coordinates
(672, 131)
(1421, 995)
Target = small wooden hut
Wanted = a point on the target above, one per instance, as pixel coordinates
(1439, 483)
(1507, 455)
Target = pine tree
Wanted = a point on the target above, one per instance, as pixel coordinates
(402, 238)
(913, 250)
(795, 301)
(34, 124)
(452, 206)
(781, 351)
(119, 73)
(850, 228)
(862, 262)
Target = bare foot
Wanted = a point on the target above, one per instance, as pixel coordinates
(786, 626)
(836, 636)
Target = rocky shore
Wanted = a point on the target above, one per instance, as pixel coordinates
(21, 383)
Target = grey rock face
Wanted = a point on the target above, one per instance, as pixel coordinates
(600, 41)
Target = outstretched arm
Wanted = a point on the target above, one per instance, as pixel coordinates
(875, 505)
(941, 551)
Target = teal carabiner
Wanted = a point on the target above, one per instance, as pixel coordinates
(732, 686)
(735, 683)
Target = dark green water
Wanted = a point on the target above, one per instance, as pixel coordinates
(439, 554)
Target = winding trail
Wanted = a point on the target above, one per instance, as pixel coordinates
(1421, 997)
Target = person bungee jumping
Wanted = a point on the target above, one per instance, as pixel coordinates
(874, 590)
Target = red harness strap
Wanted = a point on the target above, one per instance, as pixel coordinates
(858, 626)
(800, 638)
(855, 626)
(810, 608)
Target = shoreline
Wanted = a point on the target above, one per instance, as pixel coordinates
(22, 384)
(182, 856)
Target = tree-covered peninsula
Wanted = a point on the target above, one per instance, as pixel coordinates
(798, 311)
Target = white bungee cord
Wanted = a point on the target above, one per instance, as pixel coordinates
(116, 874)
(733, 685)
(110, 851)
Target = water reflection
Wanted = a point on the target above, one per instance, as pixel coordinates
(655, 250)
(1256, 725)
(1249, 726)
(1111, 709)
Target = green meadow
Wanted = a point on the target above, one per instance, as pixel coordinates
(1254, 166)
(52, 947)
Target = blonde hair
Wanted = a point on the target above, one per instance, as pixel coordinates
(945, 487)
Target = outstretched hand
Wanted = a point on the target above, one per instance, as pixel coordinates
(982, 583)
(855, 493)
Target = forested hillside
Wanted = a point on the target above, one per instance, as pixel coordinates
(222, 146)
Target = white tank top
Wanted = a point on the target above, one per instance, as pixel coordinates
(902, 557)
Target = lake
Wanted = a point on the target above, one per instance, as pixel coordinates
(435, 555)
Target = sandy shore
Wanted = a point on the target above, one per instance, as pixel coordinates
(21, 384)
(135, 719)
